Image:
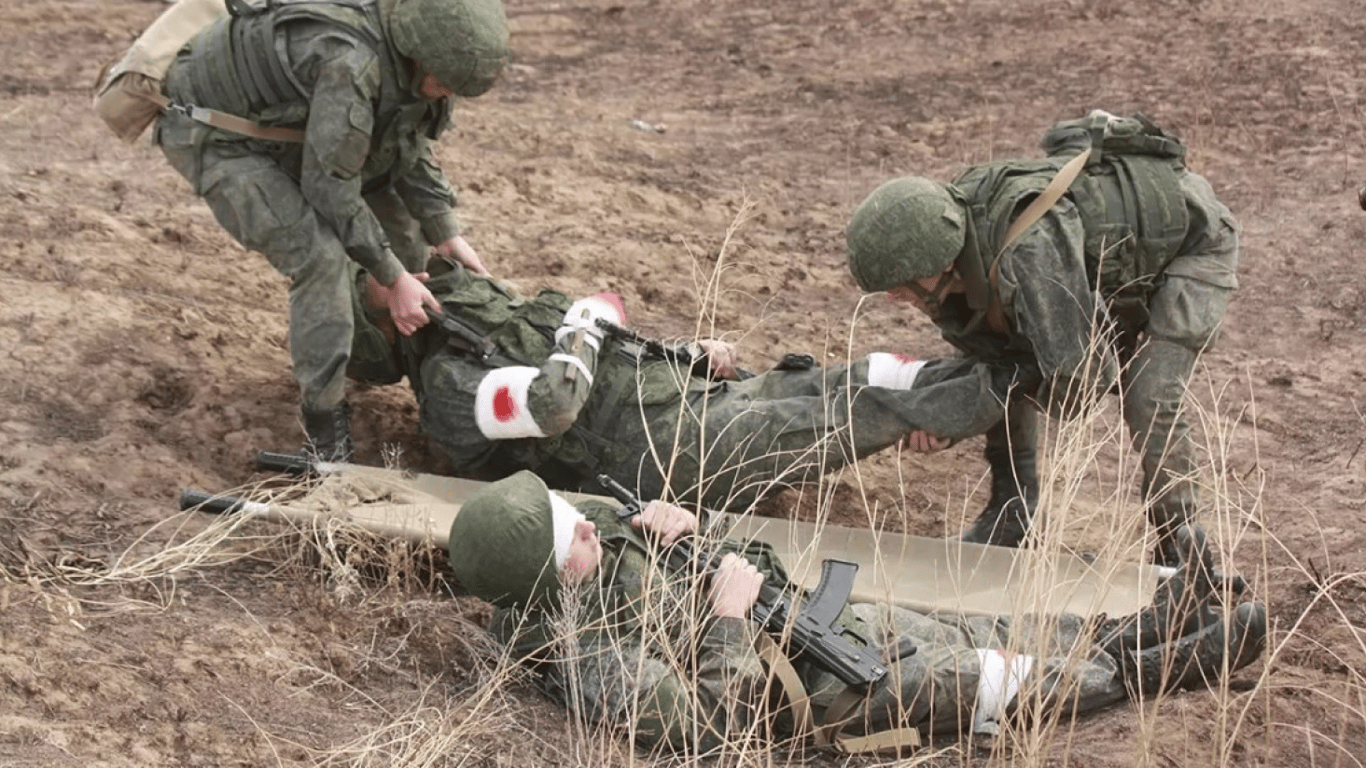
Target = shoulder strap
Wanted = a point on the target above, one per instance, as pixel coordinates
(1037, 207)
(837, 715)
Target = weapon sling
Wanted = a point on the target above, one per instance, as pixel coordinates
(1057, 187)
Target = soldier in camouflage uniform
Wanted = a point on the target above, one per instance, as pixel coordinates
(671, 657)
(1123, 282)
(370, 84)
(538, 384)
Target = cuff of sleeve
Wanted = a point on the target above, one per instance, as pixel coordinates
(730, 631)
(440, 228)
(387, 269)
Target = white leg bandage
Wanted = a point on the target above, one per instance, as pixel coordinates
(893, 371)
(998, 683)
(500, 405)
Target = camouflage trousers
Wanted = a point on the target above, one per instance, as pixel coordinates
(938, 688)
(733, 443)
(261, 206)
(1184, 317)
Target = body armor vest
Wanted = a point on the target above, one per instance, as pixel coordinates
(240, 65)
(1131, 206)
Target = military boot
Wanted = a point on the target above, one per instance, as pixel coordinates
(1166, 516)
(1014, 489)
(328, 433)
(1198, 658)
(1181, 603)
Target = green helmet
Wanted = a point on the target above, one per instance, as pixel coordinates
(464, 43)
(907, 228)
(502, 543)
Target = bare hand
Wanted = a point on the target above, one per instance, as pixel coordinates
(459, 249)
(921, 441)
(721, 356)
(666, 522)
(406, 298)
(735, 587)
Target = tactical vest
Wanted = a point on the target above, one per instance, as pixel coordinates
(1131, 206)
(239, 65)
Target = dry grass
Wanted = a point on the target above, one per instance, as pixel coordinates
(1088, 490)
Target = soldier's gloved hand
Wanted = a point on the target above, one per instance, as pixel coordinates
(459, 249)
(665, 522)
(407, 299)
(721, 358)
(734, 587)
(921, 441)
(584, 313)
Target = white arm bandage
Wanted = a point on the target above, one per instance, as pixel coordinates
(500, 405)
(893, 371)
(563, 517)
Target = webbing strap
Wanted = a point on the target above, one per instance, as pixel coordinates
(1040, 205)
(228, 122)
(1051, 194)
(837, 715)
(798, 701)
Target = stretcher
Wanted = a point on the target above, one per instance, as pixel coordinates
(917, 572)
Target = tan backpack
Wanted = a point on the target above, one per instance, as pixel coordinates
(128, 93)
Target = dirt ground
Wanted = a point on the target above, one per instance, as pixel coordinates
(631, 146)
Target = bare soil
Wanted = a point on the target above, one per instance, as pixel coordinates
(633, 146)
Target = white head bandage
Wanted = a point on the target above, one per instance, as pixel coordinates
(563, 518)
(893, 371)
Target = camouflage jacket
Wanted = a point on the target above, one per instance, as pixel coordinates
(328, 67)
(1060, 282)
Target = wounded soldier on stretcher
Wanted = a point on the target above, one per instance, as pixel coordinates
(669, 654)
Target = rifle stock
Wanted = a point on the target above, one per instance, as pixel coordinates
(810, 631)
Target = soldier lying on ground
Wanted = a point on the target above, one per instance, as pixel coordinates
(1118, 285)
(671, 657)
(538, 384)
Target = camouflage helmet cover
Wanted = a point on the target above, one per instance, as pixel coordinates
(463, 43)
(502, 543)
(908, 228)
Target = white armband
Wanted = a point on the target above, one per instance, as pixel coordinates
(893, 371)
(998, 683)
(500, 405)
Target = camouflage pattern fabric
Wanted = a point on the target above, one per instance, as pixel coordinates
(363, 186)
(638, 649)
(723, 444)
(1052, 306)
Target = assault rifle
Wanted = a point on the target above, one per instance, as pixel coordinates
(811, 630)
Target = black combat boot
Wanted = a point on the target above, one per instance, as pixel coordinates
(1166, 516)
(1011, 455)
(1181, 604)
(1198, 658)
(328, 433)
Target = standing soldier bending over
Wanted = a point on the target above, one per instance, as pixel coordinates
(357, 91)
(1123, 280)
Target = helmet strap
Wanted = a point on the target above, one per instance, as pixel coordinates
(933, 299)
